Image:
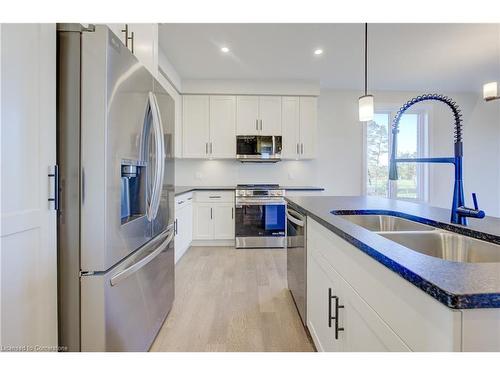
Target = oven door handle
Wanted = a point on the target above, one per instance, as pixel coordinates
(294, 219)
(259, 203)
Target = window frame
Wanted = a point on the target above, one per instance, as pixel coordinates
(423, 146)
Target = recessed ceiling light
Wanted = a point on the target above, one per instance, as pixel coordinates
(224, 49)
(318, 51)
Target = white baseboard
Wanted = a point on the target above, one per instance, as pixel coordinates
(213, 243)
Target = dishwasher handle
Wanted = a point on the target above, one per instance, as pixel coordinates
(295, 217)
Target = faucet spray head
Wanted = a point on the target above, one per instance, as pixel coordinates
(393, 170)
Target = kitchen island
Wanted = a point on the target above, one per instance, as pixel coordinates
(404, 299)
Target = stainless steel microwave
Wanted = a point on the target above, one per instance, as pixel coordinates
(258, 148)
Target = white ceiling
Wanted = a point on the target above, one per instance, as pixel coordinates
(437, 57)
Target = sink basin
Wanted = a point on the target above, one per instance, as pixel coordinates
(448, 246)
(386, 223)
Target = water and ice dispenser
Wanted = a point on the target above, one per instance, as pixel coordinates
(133, 198)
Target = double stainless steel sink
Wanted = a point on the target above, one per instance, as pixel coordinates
(429, 240)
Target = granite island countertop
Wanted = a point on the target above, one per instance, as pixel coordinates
(457, 285)
(186, 189)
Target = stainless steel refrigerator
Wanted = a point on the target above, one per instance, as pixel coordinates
(116, 195)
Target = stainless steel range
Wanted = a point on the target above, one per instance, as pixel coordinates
(260, 216)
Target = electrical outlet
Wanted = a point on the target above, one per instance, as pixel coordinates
(198, 175)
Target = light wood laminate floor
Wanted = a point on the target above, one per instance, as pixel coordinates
(232, 300)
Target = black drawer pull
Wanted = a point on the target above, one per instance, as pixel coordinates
(337, 328)
(336, 317)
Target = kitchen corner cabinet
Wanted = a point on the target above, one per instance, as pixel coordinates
(258, 115)
(209, 126)
(142, 40)
(299, 127)
(213, 215)
(183, 224)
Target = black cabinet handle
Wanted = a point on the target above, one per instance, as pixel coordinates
(175, 227)
(330, 317)
(55, 176)
(211, 215)
(336, 317)
(337, 328)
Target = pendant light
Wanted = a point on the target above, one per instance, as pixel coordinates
(490, 91)
(366, 101)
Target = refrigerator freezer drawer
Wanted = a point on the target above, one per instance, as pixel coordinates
(123, 309)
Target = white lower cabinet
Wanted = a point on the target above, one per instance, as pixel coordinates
(339, 319)
(223, 218)
(381, 311)
(213, 215)
(319, 308)
(203, 221)
(183, 224)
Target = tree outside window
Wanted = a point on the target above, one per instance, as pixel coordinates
(411, 144)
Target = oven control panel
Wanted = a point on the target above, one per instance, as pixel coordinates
(260, 193)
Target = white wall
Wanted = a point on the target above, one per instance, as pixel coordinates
(251, 87)
(339, 166)
(169, 70)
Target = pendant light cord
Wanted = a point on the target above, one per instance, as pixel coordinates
(366, 58)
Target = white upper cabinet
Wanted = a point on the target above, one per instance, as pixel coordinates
(209, 126)
(142, 40)
(247, 118)
(290, 126)
(308, 127)
(299, 127)
(212, 122)
(258, 115)
(270, 115)
(222, 127)
(196, 130)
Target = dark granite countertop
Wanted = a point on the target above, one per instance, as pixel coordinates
(186, 189)
(455, 284)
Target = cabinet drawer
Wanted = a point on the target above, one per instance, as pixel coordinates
(215, 196)
(183, 200)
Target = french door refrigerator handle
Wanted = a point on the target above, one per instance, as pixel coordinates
(144, 261)
(160, 157)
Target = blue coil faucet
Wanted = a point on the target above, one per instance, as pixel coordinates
(459, 212)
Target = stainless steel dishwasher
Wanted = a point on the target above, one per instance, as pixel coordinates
(296, 259)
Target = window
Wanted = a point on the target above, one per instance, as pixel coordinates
(412, 143)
